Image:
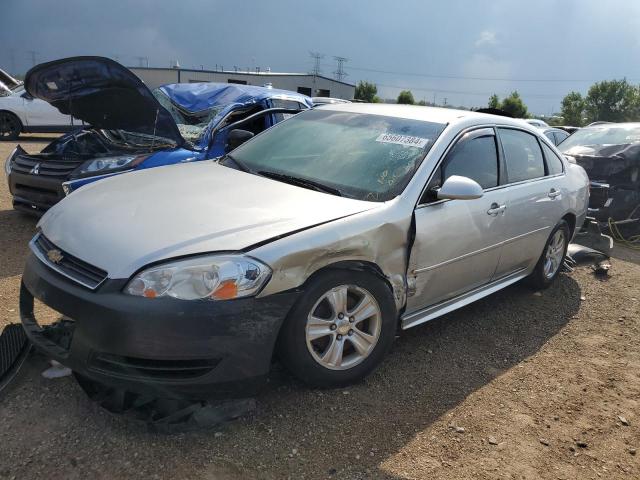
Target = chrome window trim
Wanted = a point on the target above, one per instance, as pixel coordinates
(453, 142)
(52, 266)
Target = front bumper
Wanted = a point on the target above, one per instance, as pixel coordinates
(161, 347)
(34, 194)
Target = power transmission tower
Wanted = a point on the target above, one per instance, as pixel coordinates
(340, 73)
(316, 63)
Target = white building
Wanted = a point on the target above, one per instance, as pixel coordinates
(305, 83)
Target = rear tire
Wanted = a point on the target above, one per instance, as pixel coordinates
(10, 126)
(339, 330)
(552, 258)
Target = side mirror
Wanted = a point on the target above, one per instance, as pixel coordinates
(459, 188)
(237, 137)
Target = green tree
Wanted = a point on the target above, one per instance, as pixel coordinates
(573, 109)
(494, 101)
(612, 101)
(366, 91)
(406, 97)
(514, 105)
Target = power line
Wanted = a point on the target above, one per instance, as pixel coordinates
(493, 79)
(464, 92)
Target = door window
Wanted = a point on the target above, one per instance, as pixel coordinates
(476, 158)
(523, 155)
(554, 164)
(280, 103)
(560, 136)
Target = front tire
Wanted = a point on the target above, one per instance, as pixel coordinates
(339, 330)
(552, 258)
(10, 126)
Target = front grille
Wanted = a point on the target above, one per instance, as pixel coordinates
(68, 265)
(45, 166)
(151, 368)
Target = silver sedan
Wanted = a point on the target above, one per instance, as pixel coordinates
(315, 240)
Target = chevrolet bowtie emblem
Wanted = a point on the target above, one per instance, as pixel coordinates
(35, 170)
(54, 255)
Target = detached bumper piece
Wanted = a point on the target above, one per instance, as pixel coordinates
(153, 348)
(14, 349)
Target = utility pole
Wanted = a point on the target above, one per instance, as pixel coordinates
(142, 61)
(340, 73)
(445, 101)
(33, 54)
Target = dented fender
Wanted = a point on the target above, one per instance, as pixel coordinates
(379, 237)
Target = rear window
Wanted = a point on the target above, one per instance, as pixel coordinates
(554, 164)
(523, 155)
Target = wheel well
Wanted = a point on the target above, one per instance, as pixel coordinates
(13, 115)
(570, 218)
(358, 265)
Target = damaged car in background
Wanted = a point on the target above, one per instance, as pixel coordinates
(610, 154)
(314, 241)
(133, 128)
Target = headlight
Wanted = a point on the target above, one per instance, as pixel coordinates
(215, 277)
(104, 164)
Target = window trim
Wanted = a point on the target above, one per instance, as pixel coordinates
(460, 136)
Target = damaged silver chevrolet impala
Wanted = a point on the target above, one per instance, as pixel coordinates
(315, 240)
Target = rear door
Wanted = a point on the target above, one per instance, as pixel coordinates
(457, 242)
(534, 194)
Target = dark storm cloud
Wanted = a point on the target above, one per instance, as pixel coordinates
(579, 40)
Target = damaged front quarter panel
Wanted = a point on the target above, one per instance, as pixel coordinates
(377, 239)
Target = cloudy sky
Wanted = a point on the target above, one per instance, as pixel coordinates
(461, 50)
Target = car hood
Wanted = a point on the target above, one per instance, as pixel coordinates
(614, 163)
(123, 223)
(102, 93)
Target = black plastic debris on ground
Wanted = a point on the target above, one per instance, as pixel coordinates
(166, 415)
(14, 349)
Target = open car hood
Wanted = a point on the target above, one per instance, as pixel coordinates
(102, 93)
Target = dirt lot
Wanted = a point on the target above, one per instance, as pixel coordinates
(519, 385)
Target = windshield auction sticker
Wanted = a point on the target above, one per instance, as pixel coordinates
(406, 140)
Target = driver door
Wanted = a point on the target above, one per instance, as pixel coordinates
(458, 242)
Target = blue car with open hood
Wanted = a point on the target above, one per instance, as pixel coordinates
(132, 127)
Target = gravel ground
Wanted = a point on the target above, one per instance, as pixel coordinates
(518, 385)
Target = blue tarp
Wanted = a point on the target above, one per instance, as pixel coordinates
(195, 97)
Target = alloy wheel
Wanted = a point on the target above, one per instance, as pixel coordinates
(554, 254)
(343, 327)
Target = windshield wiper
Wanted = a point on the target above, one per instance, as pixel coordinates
(301, 182)
(241, 165)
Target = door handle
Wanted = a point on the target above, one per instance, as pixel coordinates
(553, 193)
(496, 209)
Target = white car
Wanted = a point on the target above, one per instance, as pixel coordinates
(537, 123)
(21, 113)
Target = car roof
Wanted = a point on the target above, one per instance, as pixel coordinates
(418, 112)
(196, 97)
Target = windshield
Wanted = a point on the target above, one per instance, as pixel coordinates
(368, 157)
(190, 124)
(615, 134)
